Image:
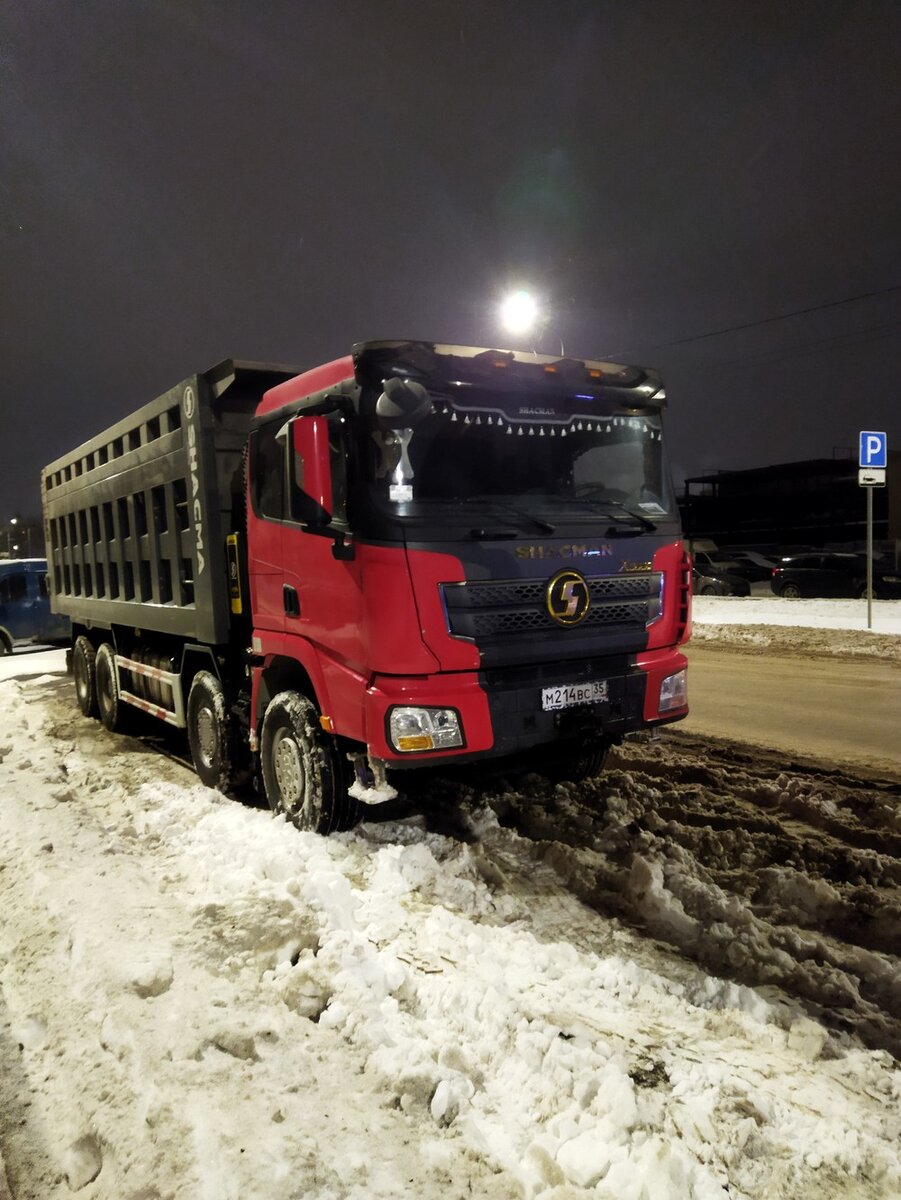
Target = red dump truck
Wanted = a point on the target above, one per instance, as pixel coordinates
(414, 556)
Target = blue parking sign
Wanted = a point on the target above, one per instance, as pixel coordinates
(873, 449)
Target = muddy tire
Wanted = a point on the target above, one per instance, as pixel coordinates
(211, 734)
(84, 675)
(576, 766)
(305, 776)
(109, 706)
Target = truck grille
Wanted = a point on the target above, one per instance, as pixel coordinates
(509, 608)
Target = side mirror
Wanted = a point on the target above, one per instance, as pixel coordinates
(402, 404)
(310, 474)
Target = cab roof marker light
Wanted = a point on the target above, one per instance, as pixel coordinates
(453, 416)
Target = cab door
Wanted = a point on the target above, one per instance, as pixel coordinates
(265, 526)
(323, 594)
(16, 615)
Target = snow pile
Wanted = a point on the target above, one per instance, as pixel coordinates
(822, 627)
(199, 1001)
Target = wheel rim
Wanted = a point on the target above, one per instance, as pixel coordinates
(81, 679)
(289, 773)
(791, 592)
(104, 688)
(206, 736)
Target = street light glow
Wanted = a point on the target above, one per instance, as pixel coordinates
(519, 312)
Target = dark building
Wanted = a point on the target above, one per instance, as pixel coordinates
(815, 502)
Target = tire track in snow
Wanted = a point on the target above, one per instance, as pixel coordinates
(777, 878)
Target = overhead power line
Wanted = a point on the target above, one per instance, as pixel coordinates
(798, 312)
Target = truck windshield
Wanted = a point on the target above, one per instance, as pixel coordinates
(559, 463)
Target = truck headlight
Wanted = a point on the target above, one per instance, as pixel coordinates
(424, 728)
(674, 691)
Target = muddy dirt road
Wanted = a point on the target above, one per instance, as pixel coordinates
(772, 872)
(842, 710)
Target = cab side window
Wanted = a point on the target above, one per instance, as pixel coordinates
(338, 451)
(268, 466)
(13, 587)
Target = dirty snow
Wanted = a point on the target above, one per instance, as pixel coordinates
(821, 627)
(678, 981)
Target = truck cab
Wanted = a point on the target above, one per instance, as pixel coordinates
(472, 553)
(25, 614)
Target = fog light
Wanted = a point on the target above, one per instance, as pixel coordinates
(424, 729)
(674, 691)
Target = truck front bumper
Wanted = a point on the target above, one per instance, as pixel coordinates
(500, 711)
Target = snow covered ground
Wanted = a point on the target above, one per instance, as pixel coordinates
(800, 626)
(678, 982)
(767, 609)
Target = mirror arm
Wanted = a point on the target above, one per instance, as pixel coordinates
(342, 549)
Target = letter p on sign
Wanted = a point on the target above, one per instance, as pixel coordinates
(873, 449)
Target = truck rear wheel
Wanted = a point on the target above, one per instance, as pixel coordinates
(109, 706)
(211, 733)
(84, 671)
(6, 646)
(305, 776)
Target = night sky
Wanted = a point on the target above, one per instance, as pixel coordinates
(188, 180)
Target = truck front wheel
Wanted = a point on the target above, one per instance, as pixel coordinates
(84, 671)
(211, 733)
(305, 776)
(576, 764)
(109, 706)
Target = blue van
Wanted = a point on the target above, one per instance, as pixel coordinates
(25, 614)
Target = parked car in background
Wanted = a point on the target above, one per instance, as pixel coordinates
(750, 563)
(712, 560)
(711, 582)
(825, 574)
(25, 614)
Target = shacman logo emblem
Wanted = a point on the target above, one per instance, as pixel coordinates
(567, 598)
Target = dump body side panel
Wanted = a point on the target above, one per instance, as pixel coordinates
(136, 519)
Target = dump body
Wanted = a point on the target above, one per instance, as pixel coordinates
(136, 519)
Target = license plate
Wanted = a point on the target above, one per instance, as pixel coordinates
(569, 694)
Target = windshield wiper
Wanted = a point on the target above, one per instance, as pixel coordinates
(492, 535)
(538, 522)
(604, 502)
(642, 520)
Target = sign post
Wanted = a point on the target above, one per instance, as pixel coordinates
(871, 473)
